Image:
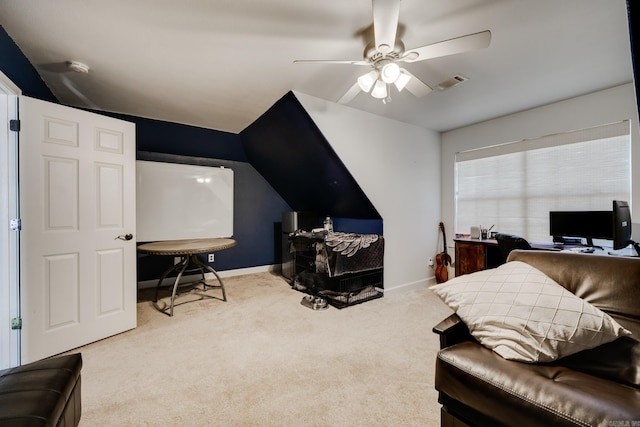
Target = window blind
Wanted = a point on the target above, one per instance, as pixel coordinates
(515, 185)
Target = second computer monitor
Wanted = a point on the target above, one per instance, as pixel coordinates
(581, 224)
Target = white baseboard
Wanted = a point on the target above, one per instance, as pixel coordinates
(273, 268)
(249, 270)
(227, 273)
(422, 282)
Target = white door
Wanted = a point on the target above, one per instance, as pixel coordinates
(9, 295)
(77, 195)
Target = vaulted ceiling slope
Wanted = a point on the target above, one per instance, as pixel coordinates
(291, 153)
(221, 64)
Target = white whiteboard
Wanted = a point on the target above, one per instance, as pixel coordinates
(176, 201)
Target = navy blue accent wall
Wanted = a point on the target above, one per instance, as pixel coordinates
(257, 207)
(173, 138)
(361, 226)
(19, 70)
(288, 149)
(256, 219)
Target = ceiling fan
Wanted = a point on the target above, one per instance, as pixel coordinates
(386, 52)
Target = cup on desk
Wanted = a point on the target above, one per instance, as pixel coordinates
(483, 233)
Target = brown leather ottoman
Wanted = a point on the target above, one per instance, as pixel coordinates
(42, 393)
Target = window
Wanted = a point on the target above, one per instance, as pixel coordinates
(515, 185)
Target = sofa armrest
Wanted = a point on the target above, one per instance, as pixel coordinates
(452, 330)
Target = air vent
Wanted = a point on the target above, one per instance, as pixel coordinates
(450, 82)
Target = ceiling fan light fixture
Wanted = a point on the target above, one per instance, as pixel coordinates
(386, 53)
(379, 90)
(390, 72)
(402, 80)
(366, 81)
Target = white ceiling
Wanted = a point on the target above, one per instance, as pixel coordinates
(221, 64)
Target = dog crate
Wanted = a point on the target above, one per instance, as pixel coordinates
(342, 291)
(354, 288)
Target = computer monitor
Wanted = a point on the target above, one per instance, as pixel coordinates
(621, 224)
(581, 224)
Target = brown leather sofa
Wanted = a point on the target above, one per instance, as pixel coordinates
(42, 393)
(597, 387)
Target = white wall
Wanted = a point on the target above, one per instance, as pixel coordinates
(398, 167)
(598, 108)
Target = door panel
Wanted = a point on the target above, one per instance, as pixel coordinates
(61, 291)
(111, 288)
(77, 173)
(109, 190)
(60, 194)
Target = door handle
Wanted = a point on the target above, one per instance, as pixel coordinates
(124, 237)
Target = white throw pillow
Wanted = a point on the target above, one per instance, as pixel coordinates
(521, 314)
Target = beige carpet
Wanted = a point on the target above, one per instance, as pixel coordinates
(263, 359)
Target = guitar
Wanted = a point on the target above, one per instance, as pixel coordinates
(442, 260)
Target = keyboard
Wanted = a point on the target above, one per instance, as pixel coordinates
(587, 250)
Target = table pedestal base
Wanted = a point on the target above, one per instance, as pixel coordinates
(188, 263)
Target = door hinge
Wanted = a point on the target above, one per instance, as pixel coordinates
(14, 125)
(15, 224)
(16, 323)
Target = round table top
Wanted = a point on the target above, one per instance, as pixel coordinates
(186, 247)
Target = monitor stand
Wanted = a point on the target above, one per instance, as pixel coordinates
(636, 247)
(591, 245)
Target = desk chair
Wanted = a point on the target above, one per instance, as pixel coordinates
(509, 242)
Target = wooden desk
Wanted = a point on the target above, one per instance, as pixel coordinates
(479, 254)
(475, 254)
(187, 250)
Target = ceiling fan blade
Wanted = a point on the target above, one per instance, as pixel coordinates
(350, 94)
(330, 61)
(66, 82)
(385, 24)
(416, 86)
(461, 44)
(55, 67)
